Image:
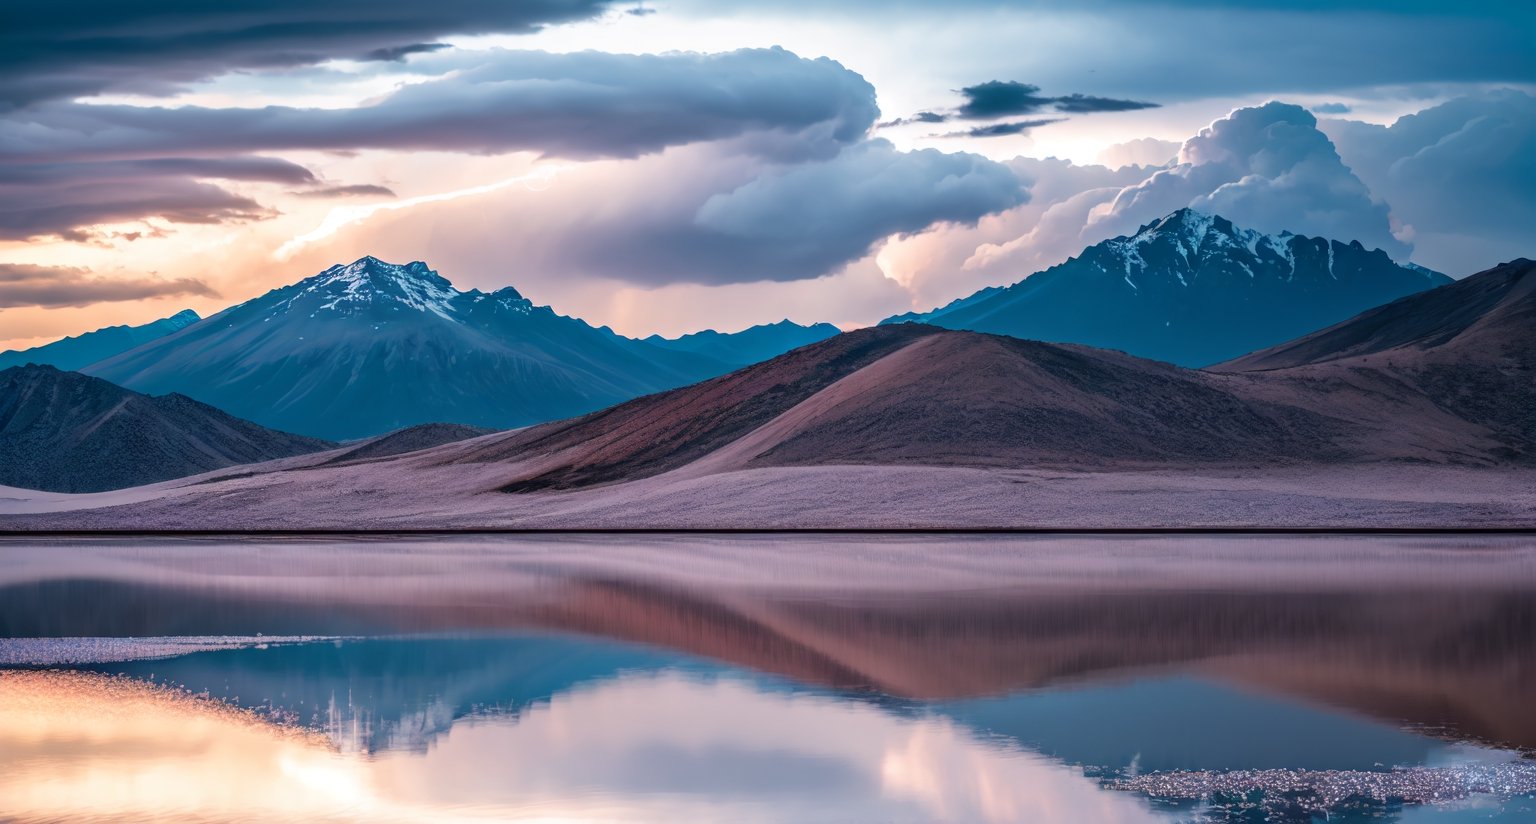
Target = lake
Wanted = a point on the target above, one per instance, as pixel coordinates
(746, 678)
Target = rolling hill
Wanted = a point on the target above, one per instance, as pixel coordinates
(1469, 348)
(67, 432)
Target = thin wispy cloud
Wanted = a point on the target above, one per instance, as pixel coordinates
(1011, 127)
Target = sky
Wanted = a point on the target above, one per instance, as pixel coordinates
(665, 167)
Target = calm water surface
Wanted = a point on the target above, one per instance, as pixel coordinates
(761, 678)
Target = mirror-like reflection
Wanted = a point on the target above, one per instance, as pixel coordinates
(663, 746)
(823, 679)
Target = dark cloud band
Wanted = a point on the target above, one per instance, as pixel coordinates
(75, 48)
(64, 199)
(53, 287)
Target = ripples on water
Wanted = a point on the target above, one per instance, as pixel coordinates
(767, 679)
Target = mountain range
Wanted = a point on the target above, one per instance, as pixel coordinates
(748, 346)
(911, 424)
(82, 350)
(1190, 289)
(370, 347)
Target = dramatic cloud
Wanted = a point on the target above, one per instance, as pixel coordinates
(769, 102)
(1267, 168)
(582, 105)
(51, 287)
(84, 47)
(700, 215)
(1331, 108)
(1458, 176)
(816, 217)
(794, 222)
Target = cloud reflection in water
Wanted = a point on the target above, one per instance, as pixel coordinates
(655, 746)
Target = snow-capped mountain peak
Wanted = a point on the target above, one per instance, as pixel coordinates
(1191, 288)
(370, 286)
(1191, 232)
(1185, 224)
(370, 346)
(369, 280)
(1188, 244)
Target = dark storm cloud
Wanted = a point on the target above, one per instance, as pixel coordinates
(357, 190)
(54, 287)
(1000, 98)
(583, 105)
(73, 48)
(1004, 129)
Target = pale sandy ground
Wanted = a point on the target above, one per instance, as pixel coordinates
(419, 494)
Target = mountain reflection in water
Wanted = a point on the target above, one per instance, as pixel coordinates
(670, 678)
